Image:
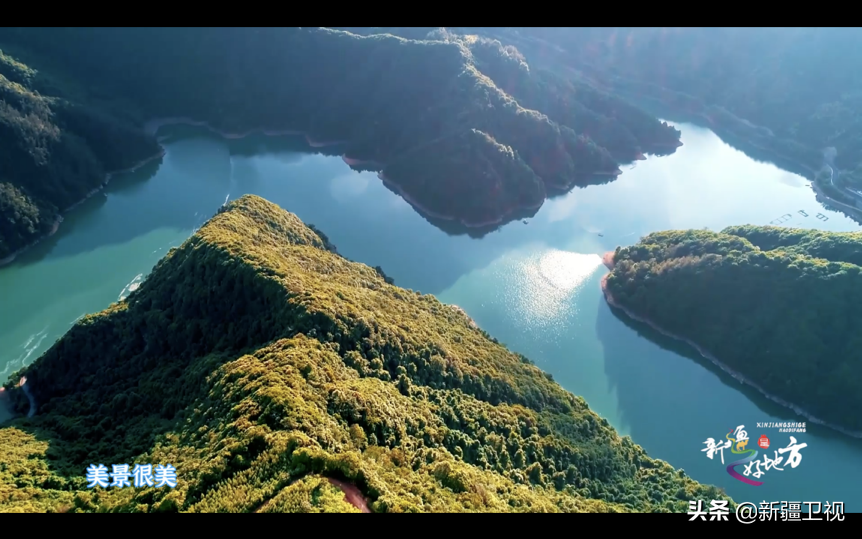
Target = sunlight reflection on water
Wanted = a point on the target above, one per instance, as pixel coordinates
(550, 279)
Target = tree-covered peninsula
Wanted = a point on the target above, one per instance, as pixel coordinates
(276, 375)
(777, 307)
(463, 129)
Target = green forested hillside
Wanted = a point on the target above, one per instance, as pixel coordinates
(621, 128)
(56, 144)
(779, 306)
(612, 123)
(262, 364)
(388, 103)
(790, 91)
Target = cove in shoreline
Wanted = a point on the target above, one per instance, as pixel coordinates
(56, 225)
(151, 127)
(608, 260)
(722, 129)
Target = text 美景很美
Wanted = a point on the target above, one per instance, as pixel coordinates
(141, 476)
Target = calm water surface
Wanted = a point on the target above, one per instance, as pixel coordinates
(534, 286)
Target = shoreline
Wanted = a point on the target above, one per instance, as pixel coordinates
(150, 127)
(661, 146)
(56, 225)
(323, 143)
(353, 162)
(741, 134)
(718, 128)
(748, 140)
(821, 193)
(422, 209)
(608, 260)
(569, 187)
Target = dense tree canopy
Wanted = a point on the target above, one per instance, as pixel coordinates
(55, 147)
(779, 306)
(390, 104)
(791, 91)
(612, 123)
(259, 362)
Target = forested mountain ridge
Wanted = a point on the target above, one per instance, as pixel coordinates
(260, 364)
(441, 131)
(789, 91)
(780, 307)
(626, 131)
